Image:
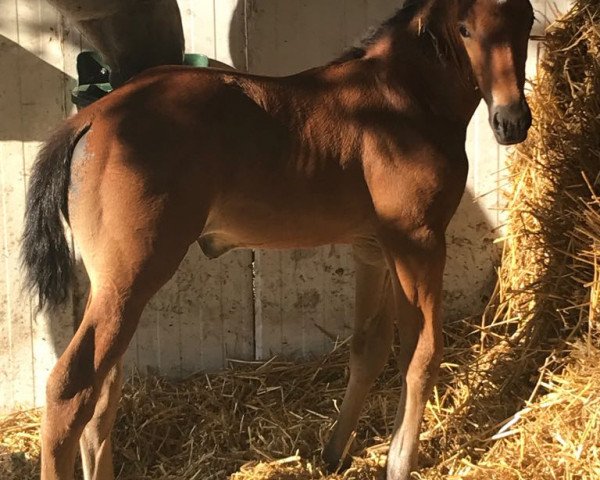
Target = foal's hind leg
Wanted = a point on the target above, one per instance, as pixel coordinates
(95, 442)
(371, 343)
(75, 382)
(129, 255)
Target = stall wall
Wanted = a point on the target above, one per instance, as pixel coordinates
(246, 305)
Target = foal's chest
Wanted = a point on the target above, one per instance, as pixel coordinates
(415, 181)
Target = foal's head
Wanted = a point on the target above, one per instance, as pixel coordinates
(495, 34)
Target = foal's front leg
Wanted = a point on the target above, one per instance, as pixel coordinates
(419, 272)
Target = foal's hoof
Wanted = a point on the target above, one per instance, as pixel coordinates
(334, 464)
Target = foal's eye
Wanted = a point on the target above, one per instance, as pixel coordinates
(464, 31)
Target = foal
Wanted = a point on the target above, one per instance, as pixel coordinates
(367, 151)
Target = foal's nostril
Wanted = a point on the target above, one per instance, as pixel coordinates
(496, 121)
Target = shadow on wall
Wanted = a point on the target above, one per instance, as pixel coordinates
(33, 94)
(286, 37)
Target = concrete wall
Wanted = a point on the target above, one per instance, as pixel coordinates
(245, 305)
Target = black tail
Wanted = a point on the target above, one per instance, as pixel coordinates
(44, 248)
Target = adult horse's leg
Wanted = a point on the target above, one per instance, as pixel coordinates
(419, 273)
(95, 443)
(371, 342)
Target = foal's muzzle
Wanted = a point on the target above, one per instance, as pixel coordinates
(511, 123)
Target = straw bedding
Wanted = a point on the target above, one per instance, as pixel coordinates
(519, 394)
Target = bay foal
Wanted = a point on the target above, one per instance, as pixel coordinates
(367, 151)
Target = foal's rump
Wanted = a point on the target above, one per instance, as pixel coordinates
(110, 171)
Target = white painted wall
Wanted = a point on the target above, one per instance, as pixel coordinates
(208, 312)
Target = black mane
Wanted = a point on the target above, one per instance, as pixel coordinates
(403, 16)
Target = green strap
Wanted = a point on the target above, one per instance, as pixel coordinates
(195, 60)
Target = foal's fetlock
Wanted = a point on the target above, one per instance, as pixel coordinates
(333, 460)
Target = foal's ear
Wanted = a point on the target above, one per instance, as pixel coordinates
(464, 6)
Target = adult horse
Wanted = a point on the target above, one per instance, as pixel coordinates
(367, 151)
(131, 35)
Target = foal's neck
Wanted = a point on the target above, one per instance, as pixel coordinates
(421, 43)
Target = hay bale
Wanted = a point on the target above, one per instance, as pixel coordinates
(556, 437)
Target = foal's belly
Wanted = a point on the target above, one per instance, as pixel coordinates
(278, 224)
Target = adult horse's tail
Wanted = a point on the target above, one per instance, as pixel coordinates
(44, 248)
